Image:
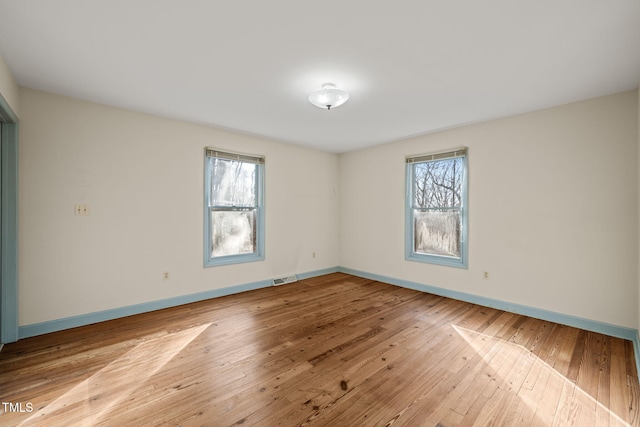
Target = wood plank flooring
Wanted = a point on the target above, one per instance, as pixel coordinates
(335, 350)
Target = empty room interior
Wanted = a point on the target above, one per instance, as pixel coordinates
(415, 213)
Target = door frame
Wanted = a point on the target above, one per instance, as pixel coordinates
(8, 224)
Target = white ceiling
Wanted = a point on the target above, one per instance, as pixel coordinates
(411, 66)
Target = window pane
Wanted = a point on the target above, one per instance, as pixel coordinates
(233, 232)
(437, 232)
(233, 183)
(438, 184)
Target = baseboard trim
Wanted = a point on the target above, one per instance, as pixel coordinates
(115, 313)
(42, 328)
(551, 316)
(636, 352)
(630, 334)
(316, 273)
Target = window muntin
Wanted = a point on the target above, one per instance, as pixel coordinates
(436, 208)
(234, 217)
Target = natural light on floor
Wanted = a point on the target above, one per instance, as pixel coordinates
(87, 396)
(553, 398)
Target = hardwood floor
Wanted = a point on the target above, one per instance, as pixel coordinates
(334, 350)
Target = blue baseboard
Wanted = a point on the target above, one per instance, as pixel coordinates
(317, 273)
(564, 319)
(115, 313)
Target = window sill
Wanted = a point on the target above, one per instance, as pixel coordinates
(232, 259)
(437, 260)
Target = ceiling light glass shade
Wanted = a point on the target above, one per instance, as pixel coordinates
(329, 97)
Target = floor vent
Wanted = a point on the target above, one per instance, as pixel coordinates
(283, 280)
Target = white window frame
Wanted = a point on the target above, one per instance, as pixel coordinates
(410, 253)
(258, 254)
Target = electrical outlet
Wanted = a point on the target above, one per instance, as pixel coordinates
(165, 275)
(485, 275)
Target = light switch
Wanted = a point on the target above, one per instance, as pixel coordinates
(81, 209)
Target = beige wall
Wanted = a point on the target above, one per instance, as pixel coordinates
(553, 212)
(142, 177)
(8, 87)
(553, 209)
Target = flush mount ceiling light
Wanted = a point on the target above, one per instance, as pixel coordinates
(329, 97)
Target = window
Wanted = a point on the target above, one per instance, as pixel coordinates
(436, 224)
(234, 208)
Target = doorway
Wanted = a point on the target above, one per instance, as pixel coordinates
(8, 223)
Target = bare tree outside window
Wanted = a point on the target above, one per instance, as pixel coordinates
(233, 217)
(234, 208)
(437, 206)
